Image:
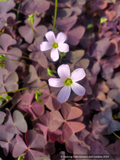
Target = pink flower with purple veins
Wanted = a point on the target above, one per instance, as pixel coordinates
(55, 44)
(68, 82)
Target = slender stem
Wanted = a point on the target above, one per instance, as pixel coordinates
(26, 57)
(3, 97)
(100, 28)
(29, 20)
(12, 107)
(61, 59)
(25, 114)
(35, 119)
(12, 60)
(25, 53)
(5, 103)
(55, 15)
(61, 56)
(20, 82)
(15, 90)
(16, 56)
(17, 60)
(14, 9)
(42, 86)
(36, 95)
(116, 135)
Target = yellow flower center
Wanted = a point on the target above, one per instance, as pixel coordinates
(55, 45)
(68, 82)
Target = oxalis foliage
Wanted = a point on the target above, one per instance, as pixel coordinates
(59, 79)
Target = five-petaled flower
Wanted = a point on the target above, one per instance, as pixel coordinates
(56, 44)
(68, 82)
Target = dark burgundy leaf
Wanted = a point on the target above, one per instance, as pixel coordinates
(20, 121)
(18, 146)
(30, 6)
(34, 140)
(2, 116)
(98, 4)
(64, 13)
(66, 24)
(75, 35)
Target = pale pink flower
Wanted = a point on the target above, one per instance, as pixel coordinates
(68, 82)
(55, 44)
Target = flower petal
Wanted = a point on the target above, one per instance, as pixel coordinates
(64, 94)
(63, 47)
(54, 54)
(50, 36)
(78, 89)
(55, 82)
(64, 71)
(61, 37)
(78, 74)
(44, 46)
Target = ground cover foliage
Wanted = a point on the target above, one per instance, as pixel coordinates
(46, 113)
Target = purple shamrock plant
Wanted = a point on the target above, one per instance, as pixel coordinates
(59, 79)
(34, 142)
(12, 54)
(17, 124)
(5, 6)
(5, 139)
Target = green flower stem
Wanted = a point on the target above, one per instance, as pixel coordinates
(26, 58)
(29, 20)
(17, 60)
(42, 87)
(116, 135)
(19, 57)
(61, 56)
(5, 103)
(25, 53)
(15, 90)
(38, 94)
(55, 14)
(12, 60)
(6, 98)
(3, 97)
(12, 107)
(25, 114)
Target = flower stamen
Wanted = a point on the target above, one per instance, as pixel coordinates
(68, 82)
(55, 45)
